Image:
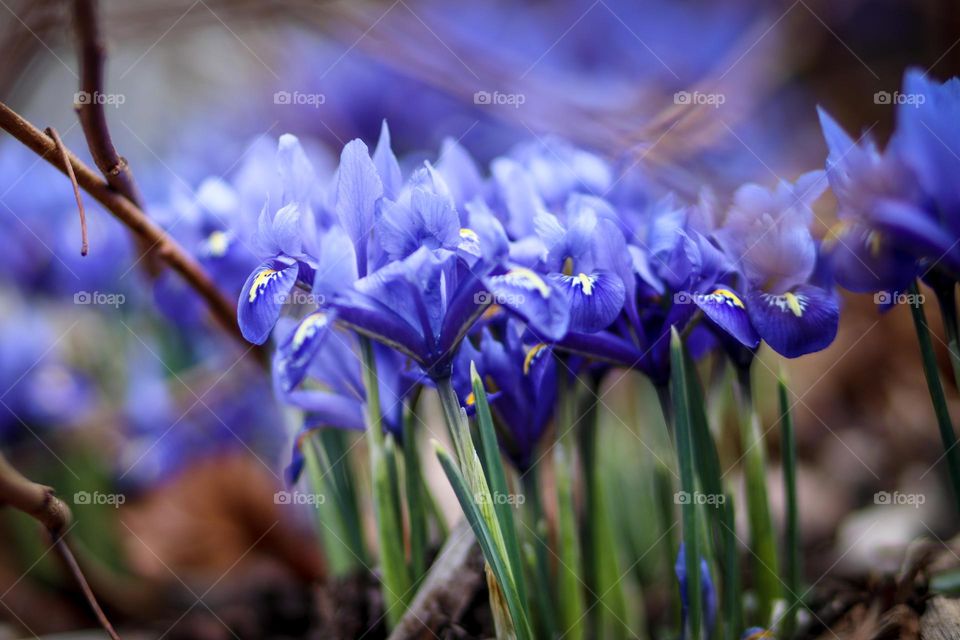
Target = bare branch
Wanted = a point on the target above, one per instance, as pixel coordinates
(39, 502)
(132, 216)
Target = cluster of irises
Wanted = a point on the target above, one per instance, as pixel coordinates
(513, 293)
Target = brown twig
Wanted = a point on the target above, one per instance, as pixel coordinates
(84, 243)
(90, 108)
(132, 216)
(39, 502)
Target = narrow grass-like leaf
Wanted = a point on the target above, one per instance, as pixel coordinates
(935, 387)
(397, 591)
(416, 498)
(711, 480)
(687, 463)
(330, 521)
(497, 479)
(762, 538)
(494, 557)
(569, 592)
(792, 542)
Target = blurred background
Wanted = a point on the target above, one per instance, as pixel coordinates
(166, 440)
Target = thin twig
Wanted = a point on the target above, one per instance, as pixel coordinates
(66, 555)
(90, 106)
(39, 502)
(133, 217)
(84, 243)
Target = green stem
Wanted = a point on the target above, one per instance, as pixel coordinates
(415, 490)
(544, 593)
(568, 572)
(762, 540)
(789, 444)
(396, 583)
(935, 387)
(687, 464)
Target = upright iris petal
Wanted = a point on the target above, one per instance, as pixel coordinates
(359, 189)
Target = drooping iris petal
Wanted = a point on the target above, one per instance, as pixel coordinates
(797, 322)
(916, 231)
(863, 260)
(541, 302)
(358, 190)
(297, 351)
(728, 312)
(595, 299)
(603, 346)
(263, 295)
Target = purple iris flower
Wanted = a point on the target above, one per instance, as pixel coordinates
(767, 233)
(520, 378)
(897, 207)
(869, 184)
(286, 239)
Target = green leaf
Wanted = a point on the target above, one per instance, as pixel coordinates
(497, 479)
(789, 445)
(493, 555)
(687, 463)
(935, 387)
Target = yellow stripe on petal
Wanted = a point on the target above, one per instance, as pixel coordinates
(729, 296)
(309, 327)
(469, 234)
(527, 279)
(793, 303)
(585, 282)
(260, 283)
(531, 354)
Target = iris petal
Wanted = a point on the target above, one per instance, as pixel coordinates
(541, 302)
(727, 311)
(595, 299)
(262, 297)
(300, 347)
(797, 322)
